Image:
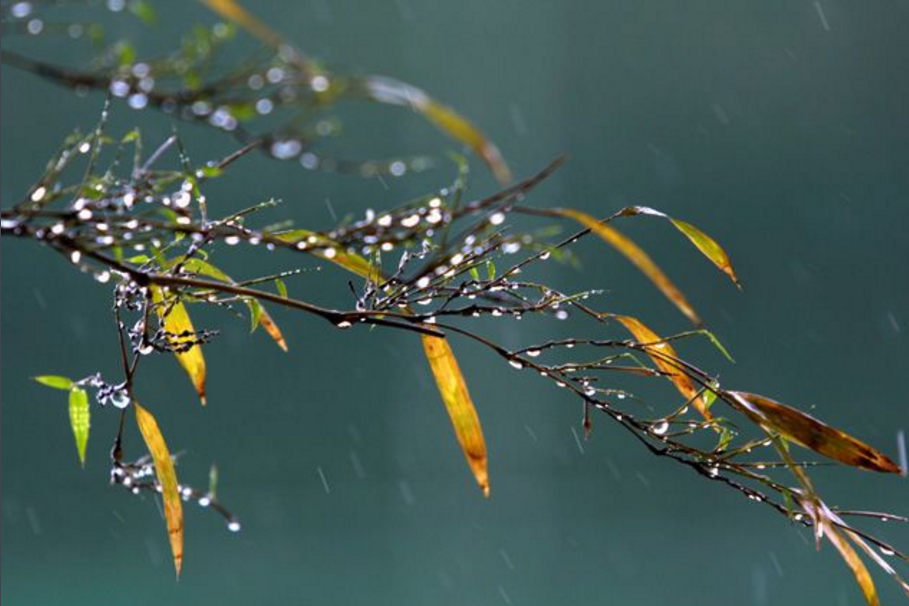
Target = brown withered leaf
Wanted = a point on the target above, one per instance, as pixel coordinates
(167, 478)
(805, 430)
(460, 407)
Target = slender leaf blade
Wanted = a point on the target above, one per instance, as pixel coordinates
(811, 433)
(175, 319)
(80, 420)
(663, 354)
(456, 397)
(637, 256)
(167, 478)
(55, 382)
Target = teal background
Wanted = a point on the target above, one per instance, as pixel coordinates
(785, 140)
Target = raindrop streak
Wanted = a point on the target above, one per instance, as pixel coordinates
(577, 440)
(821, 15)
(406, 492)
(324, 480)
(507, 559)
(357, 464)
(901, 449)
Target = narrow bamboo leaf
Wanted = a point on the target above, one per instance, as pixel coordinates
(824, 527)
(281, 286)
(385, 90)
(176, 321)
(233, 11)
(80, 420)
(257, 312)
(460, 407)
(704, 243)
(271, 327)
(394, 92)
(707, 245)
(807, 431)
(329, 250)
(663, 354)
(55, 382)
(716, 343)
(637, 256)
(167, 478)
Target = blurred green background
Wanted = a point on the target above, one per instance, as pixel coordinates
(779, 127)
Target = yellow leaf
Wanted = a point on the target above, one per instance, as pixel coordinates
(167, 478)
(233, 11)
(637, 256)
(272, 329)
(707, 245)
(394, 92)
(704, 243)
(807, 431)
(175, 320)
(329, 250)
(460, 407)
(855, 563)
(663, 354)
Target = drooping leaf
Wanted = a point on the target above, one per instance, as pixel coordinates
(807, 431)
(271, 327)
(167, 478)
(441, 359)
(637, 256)
(233, 11)
(464, 418)
(709, 247)
(825, 527)
(383, 90)
(329, 250)
(704, 243)
(257, 312)
(80, 420)
(663, 355)
(55, 382)
(394, 92)
(176, 322)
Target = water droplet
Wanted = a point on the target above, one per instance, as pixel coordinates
(660, 427)
(232, 240)
(75, 256)
(343, 324)
(39, 194)
(544, 256)
(516, 364)
(137, 101)
(120, 398)
(533, 353)
(497, 218)
(233, 526)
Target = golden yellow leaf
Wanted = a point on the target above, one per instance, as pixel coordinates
(817, 512)
(460, 407)
(272, 329)
(329, 250)
(636, 255)
(662, 354)
(233, 11)
(805, 430)
(176, 322)
(707, 245)
(167, 478)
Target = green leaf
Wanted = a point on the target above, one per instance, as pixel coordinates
(282, 287)
(474, 273)
(255, 313)
(55, 382)
(490, 270)
(144, 11)
(80, 419)
(717, 344)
